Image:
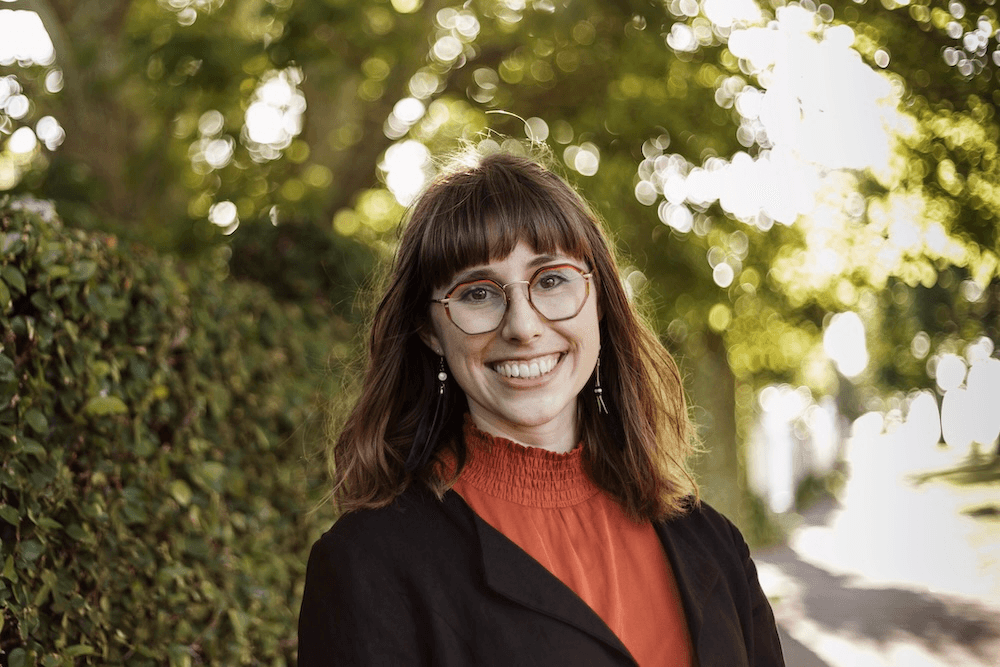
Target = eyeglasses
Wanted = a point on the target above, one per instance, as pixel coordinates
(555, 292)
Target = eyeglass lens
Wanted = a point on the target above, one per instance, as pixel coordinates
(556, 293)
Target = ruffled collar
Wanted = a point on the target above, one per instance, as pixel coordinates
(524, 475)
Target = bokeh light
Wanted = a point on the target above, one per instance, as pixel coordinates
(405, 114)
(22, 141)
(949, 372)
(23, 39)
(819, 108)
(213, 149)
(585, 158)
(50, 132)
(274, 116)
(407, 6)
(459, 27)
(407, 167)
(844, 343)
(186, 11)
(794, 437)
(536, 129)
(224, 215)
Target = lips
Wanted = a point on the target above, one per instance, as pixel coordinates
(527, 368)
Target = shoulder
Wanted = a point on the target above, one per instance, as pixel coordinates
(702, 517)
(394, 555)
(705, 526)
(415, 523)
(702, 511)
(374, 579)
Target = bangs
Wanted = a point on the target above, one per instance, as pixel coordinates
(480, 216)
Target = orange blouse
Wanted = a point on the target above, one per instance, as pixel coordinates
(545, 503)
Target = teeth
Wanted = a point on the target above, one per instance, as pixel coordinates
(527, 369)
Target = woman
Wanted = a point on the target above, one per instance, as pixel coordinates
(513, 474)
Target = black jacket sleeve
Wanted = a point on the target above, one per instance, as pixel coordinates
(763, 644)
(352, 611)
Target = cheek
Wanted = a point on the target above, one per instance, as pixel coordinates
(460, 350)
(592, 326)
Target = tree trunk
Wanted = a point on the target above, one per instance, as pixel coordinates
(712, 387)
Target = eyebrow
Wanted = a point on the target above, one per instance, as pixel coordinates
(487, 273)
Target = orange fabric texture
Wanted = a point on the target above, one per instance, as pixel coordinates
(545, 503)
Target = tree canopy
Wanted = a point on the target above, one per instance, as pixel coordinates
(765, 166)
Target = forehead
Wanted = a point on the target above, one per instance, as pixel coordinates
(500, 242)
(519, 264)
(478, 219)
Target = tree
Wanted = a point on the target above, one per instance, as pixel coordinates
(187, 119)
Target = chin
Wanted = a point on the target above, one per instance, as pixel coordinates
(534, 415)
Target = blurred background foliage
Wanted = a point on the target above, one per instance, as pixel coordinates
(155, 507)
(805, 195)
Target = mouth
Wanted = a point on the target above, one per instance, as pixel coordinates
(527, 368)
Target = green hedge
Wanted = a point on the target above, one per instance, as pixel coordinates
(155, 476)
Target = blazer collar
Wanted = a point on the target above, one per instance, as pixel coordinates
(515, 575)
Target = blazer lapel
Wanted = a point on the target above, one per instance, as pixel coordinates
(515, 575)
(695, 572)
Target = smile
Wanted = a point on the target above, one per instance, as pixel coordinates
(527, 368)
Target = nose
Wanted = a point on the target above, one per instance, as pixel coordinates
(521, 322)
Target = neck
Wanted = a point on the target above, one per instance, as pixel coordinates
(558, 435)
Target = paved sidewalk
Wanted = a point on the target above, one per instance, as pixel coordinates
(896, 574)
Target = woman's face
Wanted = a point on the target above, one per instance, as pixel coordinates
(538, 407)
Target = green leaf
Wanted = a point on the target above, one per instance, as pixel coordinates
(37, 421)
(115, 309)
(14, 278)
(83, 270)
(6, 368)
(17, 658)
(101, 406)
(144, 447)
(4, 295)
(29, 446)
(8, 241)
(77, 650)
(57, 272)
(9, 572)
(76, 532)
(210, 474)
(72, 329)
(31, 549)
(9, 514)
(180, 656)
(48, 523)
(181, 492)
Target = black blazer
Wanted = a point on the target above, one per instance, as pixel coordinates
(426, 582)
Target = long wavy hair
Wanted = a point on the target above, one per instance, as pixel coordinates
(475, 213)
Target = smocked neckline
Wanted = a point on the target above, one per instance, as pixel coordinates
(529, 476)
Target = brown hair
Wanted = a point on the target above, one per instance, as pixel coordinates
(472, 215)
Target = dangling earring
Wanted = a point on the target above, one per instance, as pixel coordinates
(429, 429)
(601, 406)
(442, 377)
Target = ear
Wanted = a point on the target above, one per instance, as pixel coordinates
(430, 338)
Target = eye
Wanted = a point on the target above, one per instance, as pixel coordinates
(554, 279)
(478, 293)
